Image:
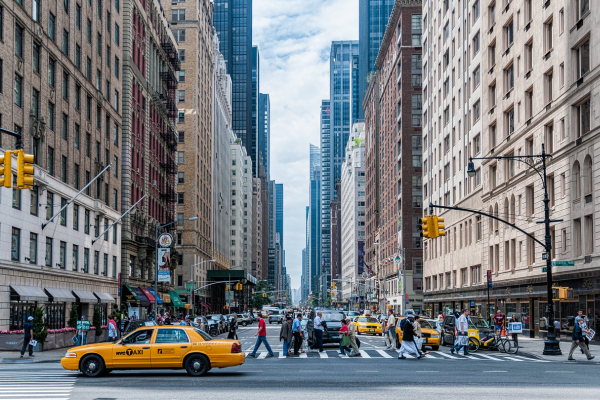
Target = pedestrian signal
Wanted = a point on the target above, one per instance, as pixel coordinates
(25, 170)
(5, 170)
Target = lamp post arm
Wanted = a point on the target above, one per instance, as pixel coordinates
(520, 159)
(121, 217)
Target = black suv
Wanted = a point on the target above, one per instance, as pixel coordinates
(332, 323)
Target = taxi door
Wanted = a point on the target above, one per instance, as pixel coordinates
(169, 348)
(134, 350)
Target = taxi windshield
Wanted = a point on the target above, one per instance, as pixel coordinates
(368, 319)
(425, 324)
(479, 322)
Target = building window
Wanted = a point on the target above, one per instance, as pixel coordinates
(509, 121)
(508, 34)
(180, 198)
(582, 59)
(96, 262)
(180, 157)
(179, 35)
(548, 35)
(86, 260)
(18, 91)
(50, 161)
(581, 8)
(583, 115)
(509, 78)
(52, 27)
(63, 255)
(65, 44)
(48, 259)
(36, 57)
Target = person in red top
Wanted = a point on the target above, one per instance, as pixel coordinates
(499, 321)
(262, 337)
(344, 332)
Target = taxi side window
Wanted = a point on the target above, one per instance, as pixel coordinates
(449, 321)
(171, 336)
(139, 337)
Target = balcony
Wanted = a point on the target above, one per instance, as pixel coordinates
(169, 166)
(169, 137)
(169, 78)
(167, 193)
(171, 52)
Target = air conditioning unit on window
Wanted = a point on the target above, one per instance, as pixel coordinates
(138, 171)
(154, 183)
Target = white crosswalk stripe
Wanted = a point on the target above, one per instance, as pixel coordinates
(19, 384)
(383, 354)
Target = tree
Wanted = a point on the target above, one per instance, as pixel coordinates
(97, 321)
(259, 300)
(40, 328)
(73, 317)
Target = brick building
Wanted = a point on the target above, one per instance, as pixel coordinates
(61, 66)
(394, 151)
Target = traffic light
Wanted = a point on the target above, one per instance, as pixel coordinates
(227, 288)
(25, 170)
(426, 226)
(439, 229)
(5, 170)
(238, 286)
(264, 295)
(187, 306)
(333, 285)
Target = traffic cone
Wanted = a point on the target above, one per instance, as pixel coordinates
(503, 334)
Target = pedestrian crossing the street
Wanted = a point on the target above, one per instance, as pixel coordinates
(23, 384)
(371, 354)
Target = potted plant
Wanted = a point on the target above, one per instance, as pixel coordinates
(97, 322)
(40, 328)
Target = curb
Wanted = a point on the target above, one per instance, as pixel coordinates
(532, 355)
(28, 361)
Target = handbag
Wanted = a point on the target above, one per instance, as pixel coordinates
(33, 342)
(463, 340)
(345, 341)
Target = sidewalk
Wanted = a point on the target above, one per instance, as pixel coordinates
(14, 357)
(535, 348)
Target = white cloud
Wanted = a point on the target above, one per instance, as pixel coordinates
(294, 39)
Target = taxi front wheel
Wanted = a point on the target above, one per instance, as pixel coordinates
(92, 366)
(197, 365)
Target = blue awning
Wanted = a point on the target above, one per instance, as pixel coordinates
(156, 296)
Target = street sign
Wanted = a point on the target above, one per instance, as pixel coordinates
(563, 263)
(544, 269)
(398, 260)
(490, 285)
(545, 256)
(165, 240)
(83, 325)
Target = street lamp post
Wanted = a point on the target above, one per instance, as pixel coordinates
(156, 256)
(192, 280)
(551, 345)
(403, 251)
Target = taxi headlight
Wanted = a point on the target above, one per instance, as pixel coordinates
(71, 354)
(435, 336)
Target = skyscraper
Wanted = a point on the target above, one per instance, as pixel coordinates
(313, 228)
(337, 114)
(233, 22)
(279, 213)
(264, 131)
(254, 142)
(373, 16)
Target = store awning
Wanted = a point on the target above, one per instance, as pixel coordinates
(29, 293)
(166, 298)
(60, 295)
(143, 300)
(205, 305)
(105, 297)
(85, 297)
(176, 300)
(156, 296)
(147, 294)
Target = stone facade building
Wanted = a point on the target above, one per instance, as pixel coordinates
(393, 150)
(61, 66)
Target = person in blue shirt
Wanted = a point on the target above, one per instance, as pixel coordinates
(298, 335)
(28, 331)
(577, 337)
(318, 329)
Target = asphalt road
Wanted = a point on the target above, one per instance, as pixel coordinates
(304, 378)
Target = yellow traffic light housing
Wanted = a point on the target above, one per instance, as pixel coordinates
(238, 286)
(426, 227)
(439, 229)
(5, 170)
(25, 170)
(333, 285)
(227, 288)
(264, 295)
(187, 306)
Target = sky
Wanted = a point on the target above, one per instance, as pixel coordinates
(294, 40)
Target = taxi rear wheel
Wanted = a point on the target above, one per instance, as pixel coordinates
(197, 365)
(92, 366)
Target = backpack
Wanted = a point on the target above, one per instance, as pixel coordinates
(403, 324)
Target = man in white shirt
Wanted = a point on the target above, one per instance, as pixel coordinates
(462, 331)
(318, 329)
(390, 329)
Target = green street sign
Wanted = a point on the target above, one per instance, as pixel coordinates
(544, 269)
(83, 325)
(563, 263)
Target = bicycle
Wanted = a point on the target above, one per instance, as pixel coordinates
(502, 344)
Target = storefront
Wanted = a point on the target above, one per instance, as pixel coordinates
(527, 300)
(136, 302)
(178, 305)
(23, 301)
(56, 307)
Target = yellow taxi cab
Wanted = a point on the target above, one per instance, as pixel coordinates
(431, 337)
(368, 325)
(156, 347)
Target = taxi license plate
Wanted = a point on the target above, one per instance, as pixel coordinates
(371, 330)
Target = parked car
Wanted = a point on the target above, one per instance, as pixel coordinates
(205, 326)
(222, 323)
(244, 319)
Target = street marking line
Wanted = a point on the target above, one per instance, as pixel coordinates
(513, 359)
(384, 354)
(262, 355)
(323, 354)
(560, 372)
(493, 372)
(430, 356)
(490, 357)
(281, 354)
(530, 359)
(428, 371)
(303, 355)
(446, 355)
(364, 354)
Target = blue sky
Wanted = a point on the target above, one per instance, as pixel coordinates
(294, 39)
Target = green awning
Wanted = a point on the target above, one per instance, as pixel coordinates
(130, 296)
(176, 300)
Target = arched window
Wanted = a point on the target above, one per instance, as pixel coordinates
(506, 214)
(496, 215)
(588, 181)
(491, 212)
(512, 209)
(576, 180)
